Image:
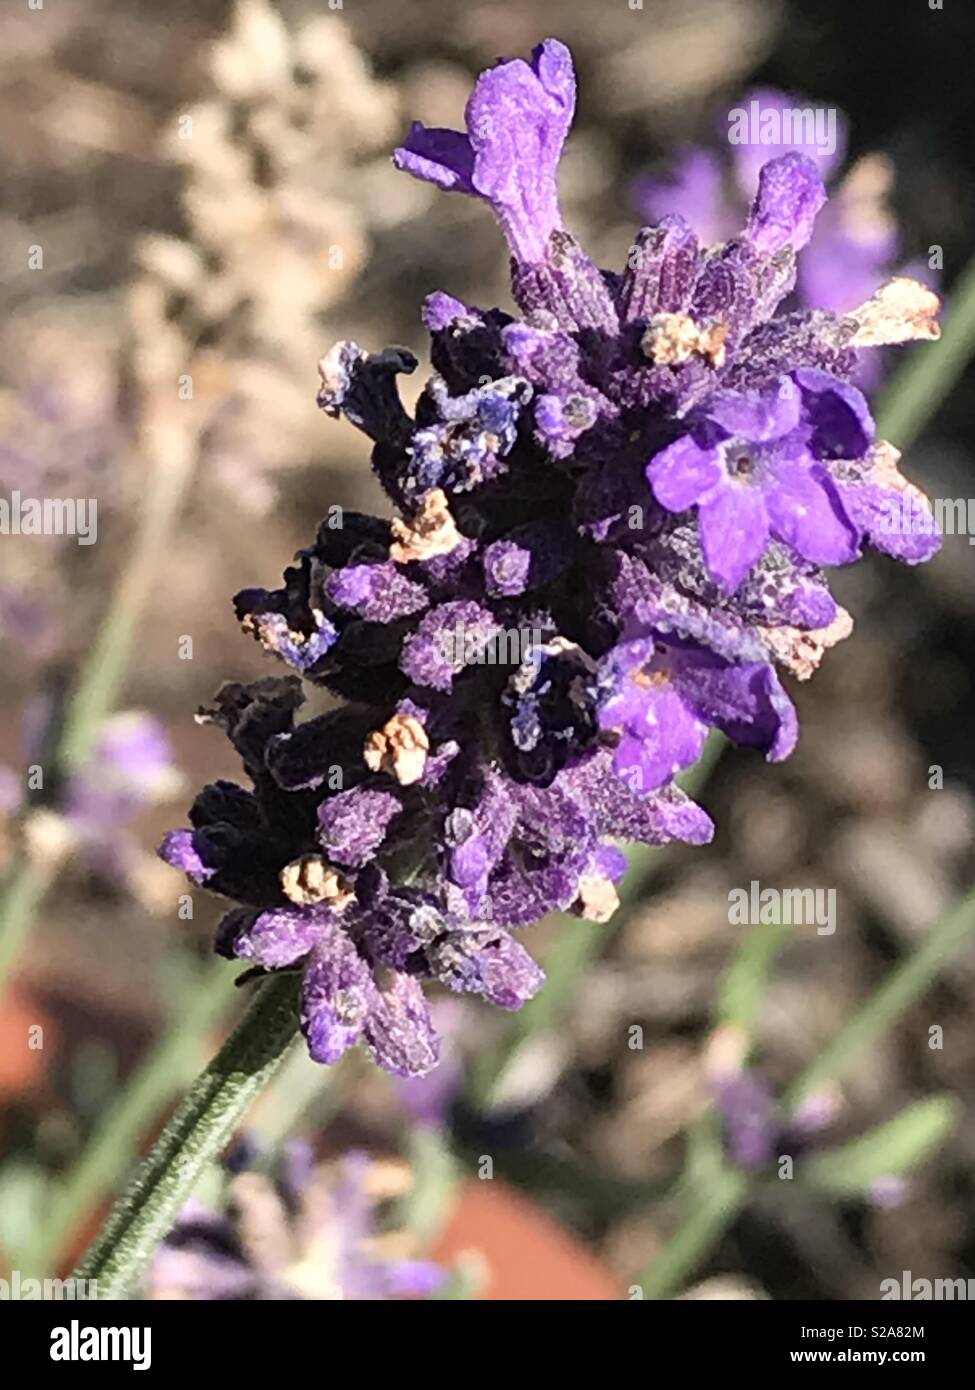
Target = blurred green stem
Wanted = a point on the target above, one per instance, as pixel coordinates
(101, 673)
(740, 997)
(22, 895)
(303, 1096)
(902, 988)
(918, 388)
(436, 1173)
(112, 1148)
(711, 1208)
(199, 1130)
(713, 1194)
(103, 670)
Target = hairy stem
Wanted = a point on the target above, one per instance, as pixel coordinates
(200, 1128)
(169, 1067)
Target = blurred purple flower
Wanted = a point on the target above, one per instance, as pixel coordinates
(129, 769)
(856, 242)
(315, 1232)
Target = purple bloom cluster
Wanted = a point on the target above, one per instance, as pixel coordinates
(307, 1231)
(855, 241)
(611, 514)
(758, 1129)
(128, 769)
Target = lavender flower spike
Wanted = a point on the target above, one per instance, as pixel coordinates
(611, 519)
(517, 119)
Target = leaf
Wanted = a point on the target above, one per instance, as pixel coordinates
(892, 1150)
(901, 988)
(740, 996)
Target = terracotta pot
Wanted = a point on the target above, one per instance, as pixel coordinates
(527, 1255)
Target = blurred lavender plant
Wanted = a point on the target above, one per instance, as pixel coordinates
(756, 1126)
(129, 769)
(761, 1127)
(856, 240)
(280, 197)
(308, 1232)
(62, 440)
(612, 516)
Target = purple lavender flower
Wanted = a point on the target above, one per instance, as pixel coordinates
(611, 516)
(856, 240)
(307, 1232)
(757, 1129)
(664, 697)
(129, 768)
(752, 1130)
(756, 464)
(518, 117)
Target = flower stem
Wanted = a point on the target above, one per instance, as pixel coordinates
(711, 1209)
(901, 989)
(194, 1137)
(714, 1194)
(918, 388)
(168, 1068)
(103, 671)
(172, 452)
(22, 893)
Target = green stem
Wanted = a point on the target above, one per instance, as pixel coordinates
(200, 1128)
(103, 671)
(711, 1208)
(304, 1096)
(903, 987)
(22, 895)
(436, 1172)
(715, 1195)
(170, 1066)
(100, 677)
(742, 990)
(916, 391)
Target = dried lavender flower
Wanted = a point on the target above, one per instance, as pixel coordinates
(612, 515)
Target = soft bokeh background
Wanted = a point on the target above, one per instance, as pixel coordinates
(236, 256)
